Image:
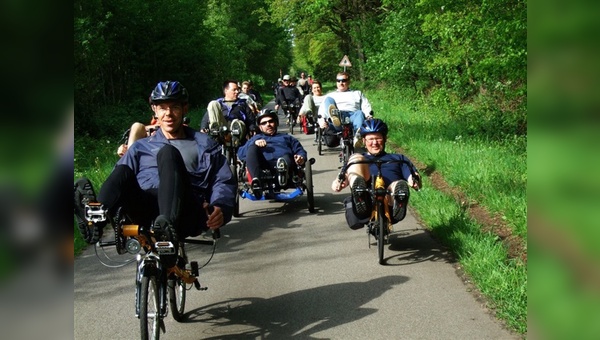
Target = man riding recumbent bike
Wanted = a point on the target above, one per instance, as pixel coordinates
(274, 162)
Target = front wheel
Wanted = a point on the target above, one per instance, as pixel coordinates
(149, 309)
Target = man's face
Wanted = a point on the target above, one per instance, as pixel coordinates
(268, 126)
(232, 91)
(342, 82)
(374, 142)
(170, 117)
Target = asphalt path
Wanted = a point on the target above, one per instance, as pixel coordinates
(280, 272)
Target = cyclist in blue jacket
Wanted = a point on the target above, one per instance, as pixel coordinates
(397, 177)
(271, 151)
(176, 179)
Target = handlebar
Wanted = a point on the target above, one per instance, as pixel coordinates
(379, 163)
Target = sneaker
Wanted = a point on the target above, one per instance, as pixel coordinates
(334, 115)
(236, 131)
(164, 231)
(357, 141)
(214, 128)
(282, 172)
(361, 198)
(401, 195)
(84, 196)
(256, 188)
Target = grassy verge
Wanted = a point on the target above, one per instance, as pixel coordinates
(489, 175)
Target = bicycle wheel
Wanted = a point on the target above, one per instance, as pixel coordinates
(310, 195)
(381, 225)
(176, 290)
(149, 309)
(320, 140)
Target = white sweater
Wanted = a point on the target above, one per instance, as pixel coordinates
(351, 100)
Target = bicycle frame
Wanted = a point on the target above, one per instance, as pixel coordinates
(156, 288)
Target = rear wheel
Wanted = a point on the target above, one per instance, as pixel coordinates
(176, 290)
(310, 195)
(381, 225)
(149, 309)
(320, 140)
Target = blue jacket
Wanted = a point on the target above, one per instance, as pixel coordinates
(212, 179)
(393, 171)
(278, 145)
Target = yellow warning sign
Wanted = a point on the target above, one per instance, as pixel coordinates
(345, 62)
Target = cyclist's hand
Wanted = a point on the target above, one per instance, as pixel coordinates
(299, 159)
(261, 143)
(121, 150)
(215, 218)
(415, 182)
(338, 185)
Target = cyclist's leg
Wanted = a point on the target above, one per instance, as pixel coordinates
(355, 170)
(215, 114)
(401, 194)
(137, 131)
(255, 161)
(331, 113)
(121, 189)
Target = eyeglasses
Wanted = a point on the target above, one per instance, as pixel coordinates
(374, 140)
(265, 122)
(345, 80)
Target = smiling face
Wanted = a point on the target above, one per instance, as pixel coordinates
(374, 143)
(170, 118)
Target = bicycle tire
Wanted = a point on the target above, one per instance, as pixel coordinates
(177, 293)
(310, 195)
(236, 206)
(149, 309)
(381, 225)
(320, 141)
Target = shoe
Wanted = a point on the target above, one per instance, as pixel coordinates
(357, 141)
(282, 172)
(84, 196)
(164, 231)
(236, 131)
(334, 115)
(361, 198)
(401, 195)
(213, 129)
(256, 188)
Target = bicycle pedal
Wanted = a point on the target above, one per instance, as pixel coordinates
(164, 248)
(95, 212)
(198, 287)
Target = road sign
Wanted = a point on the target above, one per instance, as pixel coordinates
(345, 62)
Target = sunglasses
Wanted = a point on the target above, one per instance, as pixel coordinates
(345, 80)
(265, 122)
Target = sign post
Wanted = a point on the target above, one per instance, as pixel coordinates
(345, 62)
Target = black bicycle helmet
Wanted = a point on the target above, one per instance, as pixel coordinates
(373, 126)
(169, 91)
(267, 113)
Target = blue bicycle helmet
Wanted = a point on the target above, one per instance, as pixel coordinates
(267, 113)
(169, 91)
(373, 126)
